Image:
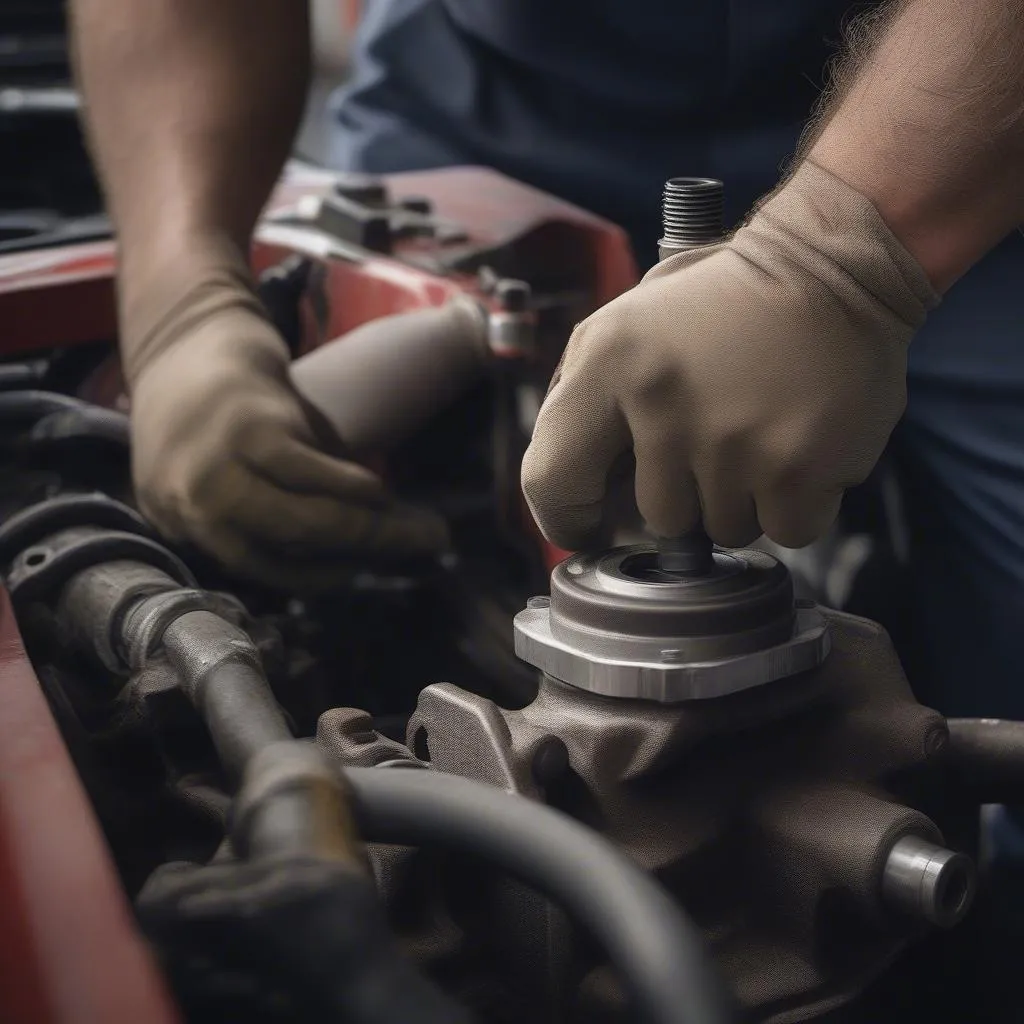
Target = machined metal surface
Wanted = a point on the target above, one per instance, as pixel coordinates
(618, 625)
(691, 211)
(690, 554)
(928, 882)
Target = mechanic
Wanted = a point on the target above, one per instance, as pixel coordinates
(754, 380)
(790, 374)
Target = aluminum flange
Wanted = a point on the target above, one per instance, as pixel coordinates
(617, 625)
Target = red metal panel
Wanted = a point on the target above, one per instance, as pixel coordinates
(69, 951)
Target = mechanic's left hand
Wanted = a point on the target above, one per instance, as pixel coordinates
(754, 380)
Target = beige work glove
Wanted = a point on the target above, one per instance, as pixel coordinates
(754, 380)
(228, 456)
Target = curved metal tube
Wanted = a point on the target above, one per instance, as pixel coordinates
(985, 756)
(377, 384)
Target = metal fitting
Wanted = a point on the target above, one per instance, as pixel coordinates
(511, 329)
(292, 800)
(691, 213)
(690, 554)
(928, 882)
(617, 625)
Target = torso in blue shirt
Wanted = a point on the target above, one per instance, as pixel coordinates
(595, 100)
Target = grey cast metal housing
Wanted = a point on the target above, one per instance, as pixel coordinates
(617, 625)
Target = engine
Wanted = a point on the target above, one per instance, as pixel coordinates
(591, 789)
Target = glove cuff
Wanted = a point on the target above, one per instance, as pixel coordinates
(213, 278)
(829, 229)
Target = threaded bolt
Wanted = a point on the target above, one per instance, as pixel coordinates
(691, 214)
(689, 555)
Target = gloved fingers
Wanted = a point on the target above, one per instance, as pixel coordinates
(681, 260)
(795, 516)
(666, 491)
(302, 469)
(321, 524)
(267, 564)
(281, 449)
(578, 438)
(303, 572)
(729, 510)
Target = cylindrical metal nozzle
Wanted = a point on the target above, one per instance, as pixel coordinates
(691, 214)
(928, 882)
(691, 554)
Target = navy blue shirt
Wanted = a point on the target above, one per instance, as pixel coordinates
(598, 101)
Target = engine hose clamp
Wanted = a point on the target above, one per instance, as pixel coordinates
(31, 525)
(44, 567)
(144, 625)
(295, 773)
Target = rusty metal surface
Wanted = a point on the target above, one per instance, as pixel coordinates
(69, 950)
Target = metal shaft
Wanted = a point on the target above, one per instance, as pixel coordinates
(692, 554)
(691, 212)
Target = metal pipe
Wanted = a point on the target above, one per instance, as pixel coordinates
(928, 882)
(219, 670)
(293, 802)
(290, 801)
(985, 757)
(378, 384)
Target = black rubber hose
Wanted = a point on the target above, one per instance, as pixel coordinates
(90, 422)
(26, 408)
(987, 757)
(657, 952)
(14, 376)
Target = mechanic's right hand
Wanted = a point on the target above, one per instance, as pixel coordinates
(227, 455)
(753, 381)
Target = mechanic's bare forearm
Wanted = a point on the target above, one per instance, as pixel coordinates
(191, 109)
(928, 122)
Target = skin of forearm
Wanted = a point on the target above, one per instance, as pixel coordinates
(927, 120)
(191, 107)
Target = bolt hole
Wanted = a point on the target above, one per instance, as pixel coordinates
(420, 747)
(34, 558)
(953, 891)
